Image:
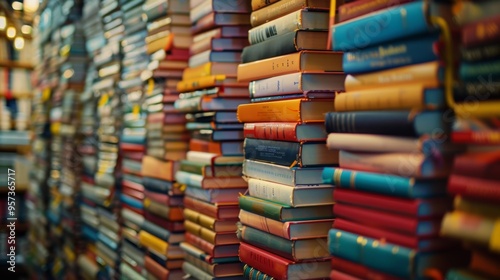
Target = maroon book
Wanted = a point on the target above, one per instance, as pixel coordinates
(473, 187)
(482, 33)
(481, 164)
(359, 271)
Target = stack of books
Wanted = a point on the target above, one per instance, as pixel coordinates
(211, 173)
(474, 180)
(393, 135)
(286, 215)
(167, 41)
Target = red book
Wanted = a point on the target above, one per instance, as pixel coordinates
(282, 131)
(413, 242)
(135, 210)
(363, 7)
(133, 185)
(215, 251)
(160, 272)
(281, 268)
(133, 155)
(483, 164)
(337, 275)
(474, 187)
(388, 221)
(132, 192)
(402, 206)
(476, 137)
(163, 198)
(177, 54)
(358, 270)
(132, 147)
(482, 32)
(219, 210)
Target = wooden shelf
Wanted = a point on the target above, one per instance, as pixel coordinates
(16, 64)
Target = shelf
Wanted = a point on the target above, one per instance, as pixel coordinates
(15, 64)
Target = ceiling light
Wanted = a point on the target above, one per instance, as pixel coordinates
(18, 6)
(31, 5)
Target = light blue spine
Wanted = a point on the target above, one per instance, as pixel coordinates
(383, 183)
(397, 54)
(380, 27)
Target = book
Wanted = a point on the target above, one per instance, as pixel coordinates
(297, 83)
(472, 228)
(207, 103)
(297, 20)
(216, 251)
(282, 131)
(210, 69)
(154, 243)
(423, 208)
(297, 110)
(285, 44)
(282, 174)
(284, 213)
(198, 273)
(465, 274)
(355, 9)
(396, 123)
(359, 270)
(295, 250)
(301, 61)
(294, 196)
(213, 20)
(478, 164)
(473, 187)
(253, 274)
(217, 270)
(209, 171)
(229, 148)
(216, 210)
(289, 153)
(292, 230)
(481, 32)
(158, 169)
(428, 75)
(207, 82)
(415, 165)
(210, 222)
(411, 226)
(213, 159)
(401, 262)
(214, 195)
(199, 181)
(278, 9)
(216, 238)
(392, 55)
(475, 206)
(214, 56)
(224, 6)
(351, 35)
(282, 268)
(485, 70)
(391, 98)
(384, 183)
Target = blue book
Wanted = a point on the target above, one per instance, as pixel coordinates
(156, 185)
(414, 50)
(383, 183)
(392, 259)
(386, 25)
(132, 202)
(396, 123)
(482, 72)
(89, 233)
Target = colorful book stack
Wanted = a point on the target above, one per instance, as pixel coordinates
(287, 213)
(162, 228)
(393, 135)
(211, 173)
(474, 180)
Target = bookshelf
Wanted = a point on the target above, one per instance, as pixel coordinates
(16, 64)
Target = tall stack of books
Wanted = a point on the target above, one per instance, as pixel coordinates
(211, 173)
(286, 215)
(474, 180)
(392, 130)
(162, 229)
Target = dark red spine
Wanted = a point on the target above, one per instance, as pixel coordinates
(271, 131)
(474, 187)
(482, 165)
(358, 270)
(482, 32)
(264, 261)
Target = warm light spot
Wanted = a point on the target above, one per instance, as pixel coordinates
(26, 29)
(11, 32)
(3, 22)
(16, 5)
(19, 43)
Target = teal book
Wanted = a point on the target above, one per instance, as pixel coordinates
(480, 72)
(464, 274)
(251, 273)
(384, 183)
(392, 259)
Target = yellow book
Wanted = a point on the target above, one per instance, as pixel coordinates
(152, 242)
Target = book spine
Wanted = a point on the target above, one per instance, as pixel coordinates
(472, 228)
(200, 71)
(360, 271)
(474, 187)
(271, 191)
(261, 207)
(265, 224)
(269, 172)
(199, 206)
(263, 260)
(394, 98)
(150, 241)
(279, 26)
(186, 178)
(481, 53)
(481, 33)
(482, 165)
(199, 83)
(359, 8)
(279, 85)
(155, 268)
(206, 7)
(392, 24)
(279, 111)
(372, 143)
(268, 241)
(428, 74)
(277, 152)
(201, 244)
(273, 66)
(200, 231)
(271, 131)
(282, 8)
(276, 46)
(253, 274)
(257, 4)
(392, 259)
(480, 71)
(391, 55)
(156, 230)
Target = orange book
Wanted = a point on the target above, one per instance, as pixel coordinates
(294, 110)
(160, 41)
(210, 69)
(216, 238)
(291, 63)
(169, 213)
(208, 81)
(426, 74)
(158, 169)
